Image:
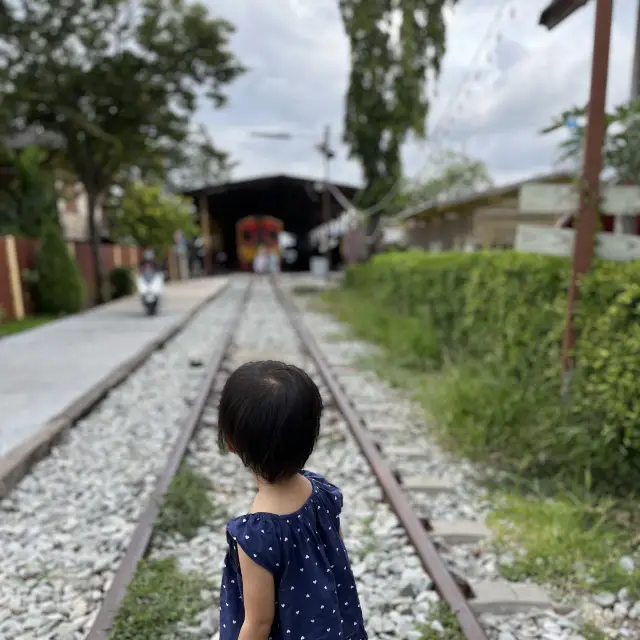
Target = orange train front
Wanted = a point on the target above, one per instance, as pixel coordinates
(253, 232)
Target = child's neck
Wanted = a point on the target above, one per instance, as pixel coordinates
(281, 498)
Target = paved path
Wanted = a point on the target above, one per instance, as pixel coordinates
(44, 370)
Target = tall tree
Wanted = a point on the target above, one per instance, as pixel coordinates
(621, 150)
(396, 49)
(201, 164)
(118, 81)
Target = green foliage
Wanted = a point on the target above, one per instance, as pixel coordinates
(160, 600)
(621, 150)
(10, 327)
(568, 543)
(499, 318)
(58, 287)
(122, 282)
(187, 505)
(118, 86)
(150, 216)
(396, 48)
(452, 175)
(29, 202)
(442, 624)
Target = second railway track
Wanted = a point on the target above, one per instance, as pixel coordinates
(369, 451)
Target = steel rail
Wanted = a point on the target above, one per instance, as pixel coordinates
(432, 562)
(142, 535)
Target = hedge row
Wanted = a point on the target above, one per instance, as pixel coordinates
(506, 312)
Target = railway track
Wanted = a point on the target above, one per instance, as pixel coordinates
(401, 558)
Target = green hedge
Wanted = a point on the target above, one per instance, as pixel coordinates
(121, 282)
(56, 283)
(505, 313)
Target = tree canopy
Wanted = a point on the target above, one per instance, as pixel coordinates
(621, 150)
(453, 175)
(118, 82)
(151, 217)
(396, 50)
(28, 200)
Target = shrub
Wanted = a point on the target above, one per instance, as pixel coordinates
(499, 317)
(121, 282)
(58, 287)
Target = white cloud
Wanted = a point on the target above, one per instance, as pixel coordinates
(299, 59)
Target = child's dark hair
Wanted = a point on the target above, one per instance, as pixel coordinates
(269, 415)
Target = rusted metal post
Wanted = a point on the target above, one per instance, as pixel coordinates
(592, 164)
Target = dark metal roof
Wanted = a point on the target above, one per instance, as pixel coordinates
(493, 192)
(558, 11)
(264, 182)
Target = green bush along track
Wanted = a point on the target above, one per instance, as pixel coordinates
(477, 337)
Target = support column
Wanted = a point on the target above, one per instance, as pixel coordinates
(15, 281)
(205, 231)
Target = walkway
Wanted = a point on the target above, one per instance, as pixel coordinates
(45, 370)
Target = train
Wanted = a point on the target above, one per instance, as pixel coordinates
(253, 232)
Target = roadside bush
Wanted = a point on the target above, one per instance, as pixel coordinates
(498, 319)
(121, 282)
(56, 284)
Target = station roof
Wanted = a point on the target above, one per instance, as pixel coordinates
(268, 181)
(477, 199)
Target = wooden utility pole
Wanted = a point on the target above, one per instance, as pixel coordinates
(589, 209)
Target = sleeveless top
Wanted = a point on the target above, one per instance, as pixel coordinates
(316, 595)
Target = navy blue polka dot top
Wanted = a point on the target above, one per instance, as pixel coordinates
(316, 595)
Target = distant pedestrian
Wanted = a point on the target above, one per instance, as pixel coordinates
(286, 573)
(274, 261)
(261, 261)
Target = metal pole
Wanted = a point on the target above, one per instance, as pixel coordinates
(327, 155)
(635, 73)
(592, 165)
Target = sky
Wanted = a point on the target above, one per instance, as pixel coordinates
(504, 78)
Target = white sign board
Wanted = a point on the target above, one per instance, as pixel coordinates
(394, 235)
(538, 197)
(559, 242)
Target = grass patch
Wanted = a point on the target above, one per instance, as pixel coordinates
(187, 505)
(574, 544)
(18, 326)
(160, 598)
(556, 529)
(442, 625)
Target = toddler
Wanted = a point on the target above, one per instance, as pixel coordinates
(286, 575)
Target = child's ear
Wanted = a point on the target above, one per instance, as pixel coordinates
(230, 448)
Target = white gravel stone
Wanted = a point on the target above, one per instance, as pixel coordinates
(66, 525)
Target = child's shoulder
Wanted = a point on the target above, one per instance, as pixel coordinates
(323, 487)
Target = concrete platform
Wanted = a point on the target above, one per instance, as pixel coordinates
(45, 370)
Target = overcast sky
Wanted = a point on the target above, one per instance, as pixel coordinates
(298, 57)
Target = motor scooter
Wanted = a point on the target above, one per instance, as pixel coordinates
(150, 284)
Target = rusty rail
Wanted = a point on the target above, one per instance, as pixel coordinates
(433, 564)
(143, 532)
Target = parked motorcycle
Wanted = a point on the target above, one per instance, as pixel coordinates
(150, 283)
